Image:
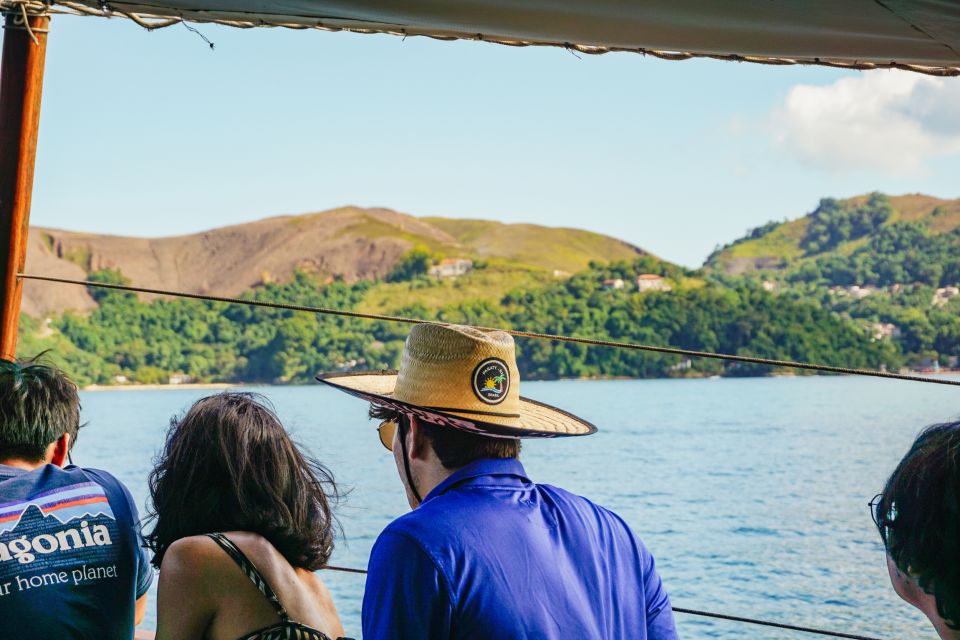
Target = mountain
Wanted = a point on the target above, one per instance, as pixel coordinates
(867, 282)
(863, 228)
(349, 243)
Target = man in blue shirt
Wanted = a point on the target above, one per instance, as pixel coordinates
(71, 560)
(486, 552)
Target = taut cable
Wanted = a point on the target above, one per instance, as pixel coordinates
(719, 616)
(520, 334)
(541, 336)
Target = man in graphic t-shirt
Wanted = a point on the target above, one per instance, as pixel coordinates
(71, 560)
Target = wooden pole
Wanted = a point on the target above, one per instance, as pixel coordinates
(21, 82)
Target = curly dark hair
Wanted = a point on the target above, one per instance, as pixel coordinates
(918, 516)
(229, 465)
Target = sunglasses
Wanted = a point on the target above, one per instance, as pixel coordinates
(387, 430)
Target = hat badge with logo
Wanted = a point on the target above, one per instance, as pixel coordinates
(464, 378)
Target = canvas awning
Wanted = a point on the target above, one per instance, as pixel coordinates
(864, 33)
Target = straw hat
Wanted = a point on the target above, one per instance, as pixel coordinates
(463, 378)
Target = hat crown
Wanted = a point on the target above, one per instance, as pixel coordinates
(461, 369)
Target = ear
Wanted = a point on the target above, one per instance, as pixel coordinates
(417, 443)
(61, 450)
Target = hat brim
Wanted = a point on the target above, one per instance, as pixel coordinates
(535, 420)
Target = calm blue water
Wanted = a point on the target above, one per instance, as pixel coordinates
(751, 493)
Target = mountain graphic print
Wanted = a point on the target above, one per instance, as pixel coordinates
(58, 529)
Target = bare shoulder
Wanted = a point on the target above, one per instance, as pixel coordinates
(188, 550)
(258, 549)
(187, 558)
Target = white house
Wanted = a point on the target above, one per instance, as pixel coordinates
(943, 295)
(652, 282)
(451, 268)
(613, 283)
(881, 330)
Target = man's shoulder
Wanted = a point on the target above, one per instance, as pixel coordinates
(442, 519)
(573, 501)
(434, 524)
(116, 493)
(99, 476)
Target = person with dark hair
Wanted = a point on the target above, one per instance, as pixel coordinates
(486, 552)
(72, 563)
(242, 518)
(918, 516)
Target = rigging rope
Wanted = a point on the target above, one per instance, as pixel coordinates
(521, 334)
(710, 614)
(543, 336)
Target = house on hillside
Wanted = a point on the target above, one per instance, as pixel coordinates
(651, 282)
(451, 268)
(881, 330)
(613, 283)
(856, 292)
(942, 296)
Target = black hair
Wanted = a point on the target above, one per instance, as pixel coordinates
(454, 447)
(229, 465)
(918, 516)
(38, 404)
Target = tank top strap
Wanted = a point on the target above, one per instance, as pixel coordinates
(252, 572)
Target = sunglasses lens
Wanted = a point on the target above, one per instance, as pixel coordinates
(387, 429)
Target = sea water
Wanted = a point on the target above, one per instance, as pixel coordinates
(751, 493)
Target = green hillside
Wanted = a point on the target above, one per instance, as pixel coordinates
(891, 264)
(869, 282)
(837, 229)
(506, 257)
(550, 248)
(126, 339)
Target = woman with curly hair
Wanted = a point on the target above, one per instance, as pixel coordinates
(242, 519)
(918, 515)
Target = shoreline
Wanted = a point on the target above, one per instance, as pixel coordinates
(231, 385)
(160, 387)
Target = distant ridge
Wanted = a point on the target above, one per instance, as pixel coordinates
(779, 245)
(350, 243)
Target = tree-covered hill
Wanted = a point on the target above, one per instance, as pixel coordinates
(865, 282)
(149, 342)
(872, 239)
(890, 263)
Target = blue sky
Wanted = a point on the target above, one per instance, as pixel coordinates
(151, 133)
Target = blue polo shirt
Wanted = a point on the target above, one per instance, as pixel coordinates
(490, 554)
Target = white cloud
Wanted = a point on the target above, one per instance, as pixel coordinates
(891, 121)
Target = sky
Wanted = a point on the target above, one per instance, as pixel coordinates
(155, 134)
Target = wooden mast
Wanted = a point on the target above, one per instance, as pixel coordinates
(21, 82)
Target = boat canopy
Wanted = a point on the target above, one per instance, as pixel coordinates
(921, 35)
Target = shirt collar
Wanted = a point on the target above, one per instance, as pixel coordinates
(6, 471)
(477, 469)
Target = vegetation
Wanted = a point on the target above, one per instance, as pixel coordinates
(150, 341)
(835, 222)
(865, 282)
(904, 252)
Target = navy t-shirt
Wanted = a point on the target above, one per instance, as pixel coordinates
(72, 562)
